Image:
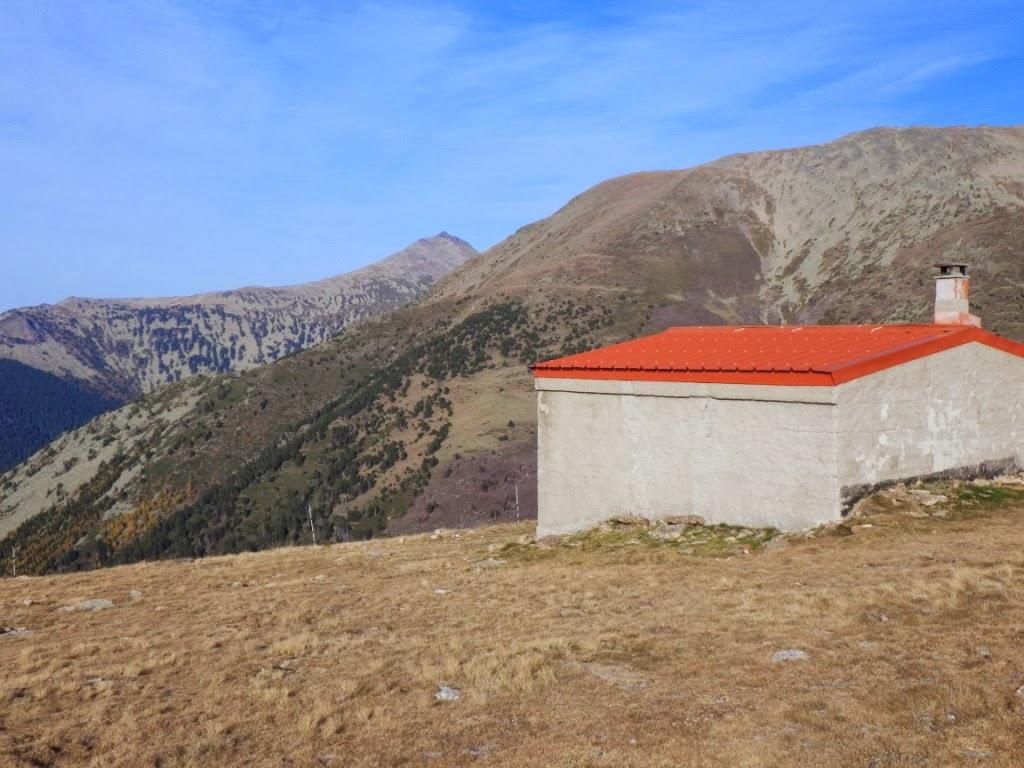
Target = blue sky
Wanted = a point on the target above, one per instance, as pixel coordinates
(161, 148)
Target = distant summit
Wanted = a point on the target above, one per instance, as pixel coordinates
(123, 347)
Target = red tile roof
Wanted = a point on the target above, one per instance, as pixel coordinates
(802, 355)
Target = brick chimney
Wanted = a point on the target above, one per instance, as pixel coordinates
(952, 291)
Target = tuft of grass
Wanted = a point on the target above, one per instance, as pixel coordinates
(988, 496)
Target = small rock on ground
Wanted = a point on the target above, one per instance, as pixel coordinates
(491, 562)
(790, 654)
(447, 693)
(668, 533)
(96, 604)
(15, 632)
(927, 498)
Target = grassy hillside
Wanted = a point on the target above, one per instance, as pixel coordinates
(627, 647)
(426, 419)
(35, 407)
(352, 430)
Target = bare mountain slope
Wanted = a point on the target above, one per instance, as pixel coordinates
(127, 346)
(779, 236)
(426, 418)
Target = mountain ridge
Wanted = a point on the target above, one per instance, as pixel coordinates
(125, 346)
(108, 351)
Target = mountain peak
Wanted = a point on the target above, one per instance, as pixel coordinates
(445, 235)
(126, 346)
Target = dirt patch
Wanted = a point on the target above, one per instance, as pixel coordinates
(474, 490)
(617, 675)
(684, 313)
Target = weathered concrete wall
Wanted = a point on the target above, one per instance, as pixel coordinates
(956, 409)
(750, 455)
(789, 457)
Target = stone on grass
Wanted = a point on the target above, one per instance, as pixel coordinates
(668, 533)
(490, 562)
(447, 693)
(927, 498)
(790, 654)
(96, 604)
(15, 632)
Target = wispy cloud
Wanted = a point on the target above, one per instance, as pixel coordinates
(159, 146)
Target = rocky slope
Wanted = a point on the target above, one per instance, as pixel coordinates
(425, 418)
(789, 236)
(128, 346)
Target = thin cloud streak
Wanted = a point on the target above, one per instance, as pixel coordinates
(172, 147)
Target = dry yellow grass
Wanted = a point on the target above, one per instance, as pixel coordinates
(589, 653)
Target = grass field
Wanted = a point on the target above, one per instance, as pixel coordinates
(612, 648)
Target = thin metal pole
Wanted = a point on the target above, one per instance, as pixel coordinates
(309, 511)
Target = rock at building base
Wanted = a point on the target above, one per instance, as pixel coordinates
(684, 520)
(626, 521)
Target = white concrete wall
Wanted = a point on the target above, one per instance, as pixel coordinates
(955, 409)
(749, 455)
